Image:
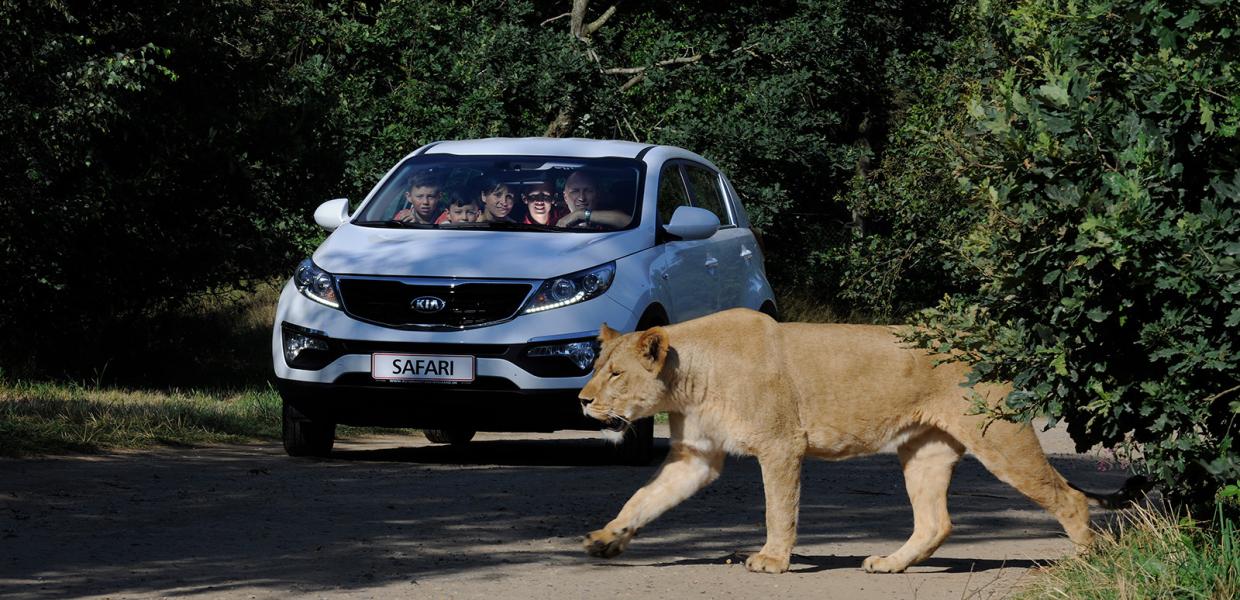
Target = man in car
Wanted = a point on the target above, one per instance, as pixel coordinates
(582, 194)
(422, 200)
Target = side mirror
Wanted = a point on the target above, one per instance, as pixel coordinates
(692, 223)
(332, 214)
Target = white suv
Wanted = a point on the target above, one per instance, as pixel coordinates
(467, 290)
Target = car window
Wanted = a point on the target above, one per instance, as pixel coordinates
(672, 192)
(706, 192)
(508, 192)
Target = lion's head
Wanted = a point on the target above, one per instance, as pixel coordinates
(626, 384)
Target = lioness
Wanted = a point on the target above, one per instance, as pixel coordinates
(739, 382)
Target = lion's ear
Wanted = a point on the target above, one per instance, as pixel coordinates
(607, 334)
(652, 347)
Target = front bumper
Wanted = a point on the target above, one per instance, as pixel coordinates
(487, 404)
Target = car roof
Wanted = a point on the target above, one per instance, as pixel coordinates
(539, 146)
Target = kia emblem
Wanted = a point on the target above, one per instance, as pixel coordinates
(428, 304)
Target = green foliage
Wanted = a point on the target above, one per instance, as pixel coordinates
(1106, 169)
(149, 153)
(1149, 555)
(908, 217)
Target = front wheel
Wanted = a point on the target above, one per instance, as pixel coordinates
(637, 448)
(456, 437)
(304, 436)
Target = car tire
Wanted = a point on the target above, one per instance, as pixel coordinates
(304, 436)
(456, 437)
(637, 448)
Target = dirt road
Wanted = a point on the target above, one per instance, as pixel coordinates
(395, 517)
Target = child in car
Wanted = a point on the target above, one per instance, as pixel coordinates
(462, 208)
(422, 200)
(540, 203)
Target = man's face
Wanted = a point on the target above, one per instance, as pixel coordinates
(539, 198)
(424, 199)
(498, 201)
(462, 214)
(580, 191)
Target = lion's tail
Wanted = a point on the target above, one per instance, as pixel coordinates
(1133, 490)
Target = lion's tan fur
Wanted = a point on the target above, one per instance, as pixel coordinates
(738, 382)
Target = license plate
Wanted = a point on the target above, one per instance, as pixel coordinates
(422, 367)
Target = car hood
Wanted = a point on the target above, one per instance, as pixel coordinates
(355, 250)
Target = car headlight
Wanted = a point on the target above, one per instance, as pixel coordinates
(316, 284)
(571, 289)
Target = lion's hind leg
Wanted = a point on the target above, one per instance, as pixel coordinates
(929, 458)
(1012, 453)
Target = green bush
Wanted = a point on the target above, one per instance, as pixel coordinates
(151, 152)
(1105, 171)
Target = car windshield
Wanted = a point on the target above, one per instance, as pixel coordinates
(509, 193)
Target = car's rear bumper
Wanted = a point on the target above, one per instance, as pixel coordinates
(487, 404)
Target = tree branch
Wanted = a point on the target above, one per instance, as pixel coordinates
(639, 73)
(555, 18)
(594, 25)
(682, 60)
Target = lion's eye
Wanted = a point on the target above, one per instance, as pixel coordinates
(614, 374)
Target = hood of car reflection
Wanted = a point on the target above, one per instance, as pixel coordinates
(354, 250)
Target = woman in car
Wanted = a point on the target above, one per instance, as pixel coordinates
(497, 200)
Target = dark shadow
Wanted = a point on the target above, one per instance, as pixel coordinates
(814, 564)
(558, 452)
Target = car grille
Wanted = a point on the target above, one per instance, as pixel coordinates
(390, 302)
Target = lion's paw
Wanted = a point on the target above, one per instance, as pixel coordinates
(606, 544)
(882, 564)
(765, 563)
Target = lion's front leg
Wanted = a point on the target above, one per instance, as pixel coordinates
(781, 480)
(689, 468)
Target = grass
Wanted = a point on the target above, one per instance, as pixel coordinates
(42, 418)
(1149, 554)
(800, 307)
(194, 375)
(216, 346)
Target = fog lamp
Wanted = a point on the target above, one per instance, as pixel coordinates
(580, 353)
(296, 343)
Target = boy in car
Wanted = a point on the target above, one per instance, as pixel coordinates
(422, 200)
(540, 203)
(462, 209)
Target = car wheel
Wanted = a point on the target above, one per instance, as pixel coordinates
(637, 448)
(456, 437)
(306, 437)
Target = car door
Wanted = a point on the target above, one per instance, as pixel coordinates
(730, 247)
(688, 268)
